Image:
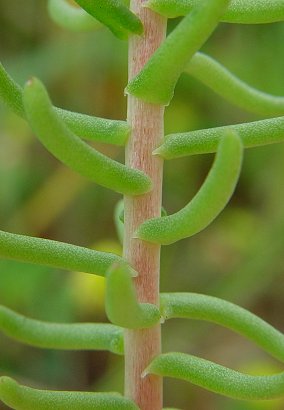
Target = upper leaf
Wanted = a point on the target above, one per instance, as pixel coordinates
(157, 80)
(75, 153)
(71, 18)
(115, 15)
(223, 82)
(61, 255)
(239, 11)
(205, 141)
(85, 126)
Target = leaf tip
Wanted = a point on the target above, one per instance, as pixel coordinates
(158, 152)
(136, 235)
(145, 373)
(133, 272)
(31, 82)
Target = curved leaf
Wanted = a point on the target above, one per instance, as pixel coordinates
(25, 398)
(73, 152)
(70, 17)
(122, 306)
(205, 141)
(156, 81)
(61, 255)
(75, 336)
(86, 126)
(239, 11)
(95, 129)
(219, 79)
(207, 203)
(203, 307)
(216, 378)
(119, 219)
(115, 15)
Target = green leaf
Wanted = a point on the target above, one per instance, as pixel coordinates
(252, 134)
(157, 80)
(21, 397)
(86, 126)
(239, 11)
(70, 17)
(207, 203)
(122, 306)
(11, 93)
(61, 255)
(75, 336)
(119, 210)
(119, 219)
(216, 378)
(221, 312)
(115, 15)
(75, 153)
(219, 79)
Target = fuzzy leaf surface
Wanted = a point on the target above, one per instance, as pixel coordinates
(75, 336)
(73, 152)
(216, 378)
(239, 11)
(122, 306)
(207, 203)
(86, 126)
(57, 254)
(227, 85)
(206, 141)
(20, 397)
(229, 315)
(115, 15)
(157, 80)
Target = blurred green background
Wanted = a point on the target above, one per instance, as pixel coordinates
(239, 257)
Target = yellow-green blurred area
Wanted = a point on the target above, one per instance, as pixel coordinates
(239, 257)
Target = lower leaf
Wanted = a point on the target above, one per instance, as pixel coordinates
(25, 398)
(216, 378)
(75, 336)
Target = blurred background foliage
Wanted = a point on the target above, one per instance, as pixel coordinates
(239, 257)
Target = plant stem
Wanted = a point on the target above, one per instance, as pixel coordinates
(147, 122)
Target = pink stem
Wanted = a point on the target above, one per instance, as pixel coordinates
(147, 122)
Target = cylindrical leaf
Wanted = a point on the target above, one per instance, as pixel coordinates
(156, 81)
(25, 398)
(85, 126)
(61, 255)
(239, 11)
(205, 141)
(75, 336)
(221, 312)
(122, 306)
(75, 153)
(216, 378)
(207, 203)
(115, 15)
(70, 17)
(228, 86)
